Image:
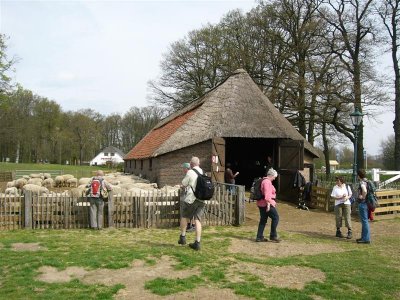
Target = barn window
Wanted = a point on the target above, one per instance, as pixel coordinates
(112, 154)
(105, 153)
(150, 164)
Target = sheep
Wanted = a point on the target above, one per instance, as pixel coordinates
(19, 183)
(48, 182)
(72, 182)
(59, 181)
(35, 189)
(10, 184)
(77, 192)
(26, 177)
(11, 191)
(67, 176)
(35, 180)
(84, 180)
(46, 175)
(36, 175)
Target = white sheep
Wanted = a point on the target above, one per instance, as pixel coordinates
(19, 183)
(59, 181)
(35, 180)
(11, 191)
(35, 189)
(67, 176)
(48, 182)
(10, 184)
(77, 192)
(72, 182)
(46, 175)
(36, 175)
(84, 180)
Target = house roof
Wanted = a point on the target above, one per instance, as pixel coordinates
(112, 149)
(235, 108)
(333, 163)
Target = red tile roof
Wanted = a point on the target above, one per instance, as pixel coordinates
(155, 138)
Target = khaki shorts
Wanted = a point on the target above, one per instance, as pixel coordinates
(194, 210)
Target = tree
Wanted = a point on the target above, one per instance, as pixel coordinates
(5, 67)
(389, 12)
(351, 39)
(387, 153)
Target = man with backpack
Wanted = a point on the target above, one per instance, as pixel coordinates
(192, 207)
(97, 191)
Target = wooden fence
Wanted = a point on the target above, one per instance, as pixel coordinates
(389, 202)
(6, 176)
(153, 210)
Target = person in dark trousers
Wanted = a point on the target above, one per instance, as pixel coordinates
(267, 208)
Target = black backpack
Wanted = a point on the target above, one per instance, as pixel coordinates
(256, 193)
(204, 187)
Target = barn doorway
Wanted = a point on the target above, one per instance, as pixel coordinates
(248, 156)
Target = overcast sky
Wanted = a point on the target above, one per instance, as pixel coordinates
(101, 54)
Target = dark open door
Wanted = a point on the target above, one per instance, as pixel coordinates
(218, 159)
(290, 158)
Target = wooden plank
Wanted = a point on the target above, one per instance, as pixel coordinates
(387, 208)
(28, 209)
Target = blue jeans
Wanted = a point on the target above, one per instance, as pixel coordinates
(273, 214)
(363, 212)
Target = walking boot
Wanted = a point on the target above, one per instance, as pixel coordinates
(339, 234)
(349, 235)
(182, 240)
(195, 245)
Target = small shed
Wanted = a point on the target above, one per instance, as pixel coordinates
(234, 122)
(109, 154)
(334, 165)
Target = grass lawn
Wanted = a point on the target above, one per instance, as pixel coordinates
(366, 272)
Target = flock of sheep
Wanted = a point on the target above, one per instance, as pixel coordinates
(122, 184)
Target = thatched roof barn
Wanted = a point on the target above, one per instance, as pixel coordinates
(234, 122)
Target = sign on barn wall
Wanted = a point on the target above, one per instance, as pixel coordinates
(218, 159)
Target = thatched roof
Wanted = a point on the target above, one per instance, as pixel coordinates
(235, 108)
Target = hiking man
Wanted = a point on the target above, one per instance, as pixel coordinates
(363, 208)
(96, 190)
(191, 207)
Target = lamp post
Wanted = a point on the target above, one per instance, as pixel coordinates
(356, 118)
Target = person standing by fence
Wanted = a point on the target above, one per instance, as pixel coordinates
(363, 208)
(341, 193)
(191, 207)
(97, 190)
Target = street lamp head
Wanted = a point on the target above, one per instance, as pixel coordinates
(356, 117)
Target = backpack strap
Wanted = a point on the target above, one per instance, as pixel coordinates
(198, 174)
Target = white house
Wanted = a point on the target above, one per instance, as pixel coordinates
(108, 154)
(334, 165)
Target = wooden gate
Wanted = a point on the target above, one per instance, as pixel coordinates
(218, 159)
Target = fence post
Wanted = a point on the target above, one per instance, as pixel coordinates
(28, 209)
(110, 210)
(239, 207)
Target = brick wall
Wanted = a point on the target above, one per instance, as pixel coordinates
(167, 168)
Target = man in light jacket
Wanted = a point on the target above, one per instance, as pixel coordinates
(191, 207)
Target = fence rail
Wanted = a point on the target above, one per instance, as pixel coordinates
(128, 211)
(21, 173)
(6, 176)
(389, 202)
